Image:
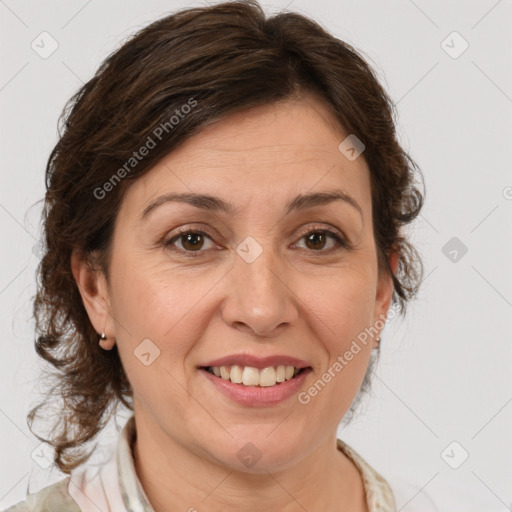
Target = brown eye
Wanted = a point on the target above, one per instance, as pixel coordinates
(316, 240)
(191, 241)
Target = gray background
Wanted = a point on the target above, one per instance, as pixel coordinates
(444, 373)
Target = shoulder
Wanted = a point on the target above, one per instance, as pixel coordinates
(52, 498)
(379, 495)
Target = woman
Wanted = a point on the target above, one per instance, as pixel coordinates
(223, 244)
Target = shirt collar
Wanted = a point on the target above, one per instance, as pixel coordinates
(134, 497)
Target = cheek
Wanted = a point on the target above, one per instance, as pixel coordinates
(150, 298)
(342, 302)
(168, 306)
(149, 306)
(342, 315)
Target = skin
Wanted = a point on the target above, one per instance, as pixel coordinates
(308, 300)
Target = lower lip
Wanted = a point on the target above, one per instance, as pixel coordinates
(257, 396)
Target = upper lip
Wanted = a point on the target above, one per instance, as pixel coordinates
(257, 362)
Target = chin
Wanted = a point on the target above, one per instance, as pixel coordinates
(254, 450)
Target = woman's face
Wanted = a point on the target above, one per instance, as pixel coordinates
(250, 281)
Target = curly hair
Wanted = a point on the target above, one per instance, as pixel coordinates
(229, 57)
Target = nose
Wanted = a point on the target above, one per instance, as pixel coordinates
(259, 298)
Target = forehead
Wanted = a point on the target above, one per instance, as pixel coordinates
(267, 153)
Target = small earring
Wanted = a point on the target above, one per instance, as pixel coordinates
(107, 346)
(103, 338)
(378, 339)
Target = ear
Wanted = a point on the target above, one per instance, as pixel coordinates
(94, 291)
(384, 292)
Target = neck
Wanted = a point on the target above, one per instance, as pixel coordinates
(176, 478)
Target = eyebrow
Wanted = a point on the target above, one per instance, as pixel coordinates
(216, 204)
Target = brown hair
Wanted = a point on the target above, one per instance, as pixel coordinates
(218, 60)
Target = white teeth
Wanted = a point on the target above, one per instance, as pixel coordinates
(236, 374)
(268, 376)
(250, 376)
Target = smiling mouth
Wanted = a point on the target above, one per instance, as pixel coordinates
(256, 377)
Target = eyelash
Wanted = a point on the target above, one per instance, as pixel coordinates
(340, 240)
